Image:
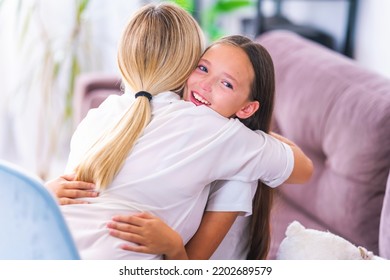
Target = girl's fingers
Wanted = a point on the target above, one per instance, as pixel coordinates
(124, 227)
(75, 193)
(137, 249)
(66, 201)
(144, 215)
(69, 177)
(130, 237)
(79, 185)
(129, 219)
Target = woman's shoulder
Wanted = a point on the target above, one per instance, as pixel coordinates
(113, 105)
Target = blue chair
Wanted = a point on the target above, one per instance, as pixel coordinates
(32, 226)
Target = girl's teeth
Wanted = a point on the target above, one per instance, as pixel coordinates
(200, 99)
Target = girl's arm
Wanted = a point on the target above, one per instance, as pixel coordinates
(303, 166)
(226, 200)
(211, 232)
(67, 191)
(153, 236)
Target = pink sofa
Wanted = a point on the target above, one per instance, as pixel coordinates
(339, 114)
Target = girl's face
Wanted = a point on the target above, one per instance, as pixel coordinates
(222, 81)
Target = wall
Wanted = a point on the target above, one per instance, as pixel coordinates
(35, 73)
(372, 38)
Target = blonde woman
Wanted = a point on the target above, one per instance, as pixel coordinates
(147, 150)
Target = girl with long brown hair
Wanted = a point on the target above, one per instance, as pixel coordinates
(250, 237)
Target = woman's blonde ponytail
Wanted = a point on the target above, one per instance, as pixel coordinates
(159, 48)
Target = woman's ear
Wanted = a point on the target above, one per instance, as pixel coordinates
(248, 109)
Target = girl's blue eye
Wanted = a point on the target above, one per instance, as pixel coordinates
(229, 85)
(202, 68)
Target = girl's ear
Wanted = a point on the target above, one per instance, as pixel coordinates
(248, 110)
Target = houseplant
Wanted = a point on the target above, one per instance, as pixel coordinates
(46, 61)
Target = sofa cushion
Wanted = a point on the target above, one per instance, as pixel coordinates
(283, 213)
(339, 114)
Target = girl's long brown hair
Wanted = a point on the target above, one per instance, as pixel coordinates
(262, 90)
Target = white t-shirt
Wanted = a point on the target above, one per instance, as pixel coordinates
(181, 151)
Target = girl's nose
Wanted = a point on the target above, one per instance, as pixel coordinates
(206, 84)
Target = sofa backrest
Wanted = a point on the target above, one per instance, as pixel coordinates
(384, 234)
(339, 114)
(91, 90)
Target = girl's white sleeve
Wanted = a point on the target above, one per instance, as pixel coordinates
(260, 155)
(231, 196)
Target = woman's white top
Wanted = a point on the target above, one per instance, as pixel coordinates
(169, 170)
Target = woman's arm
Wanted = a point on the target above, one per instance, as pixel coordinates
(153, 236)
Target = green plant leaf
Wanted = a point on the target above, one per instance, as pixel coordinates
(26, 24)
(81, 7)
(220, 7)
(74, 72)
(224, 6)
(188, 5)
(56, 69)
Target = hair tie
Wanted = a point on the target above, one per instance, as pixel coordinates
(144, 93)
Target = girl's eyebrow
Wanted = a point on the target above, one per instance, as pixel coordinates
(230, 77)
(203, 60)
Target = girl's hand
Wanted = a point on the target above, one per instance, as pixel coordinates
(66, 190)
(151, 235)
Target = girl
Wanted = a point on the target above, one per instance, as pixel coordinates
(184, 147)
(153, 236)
